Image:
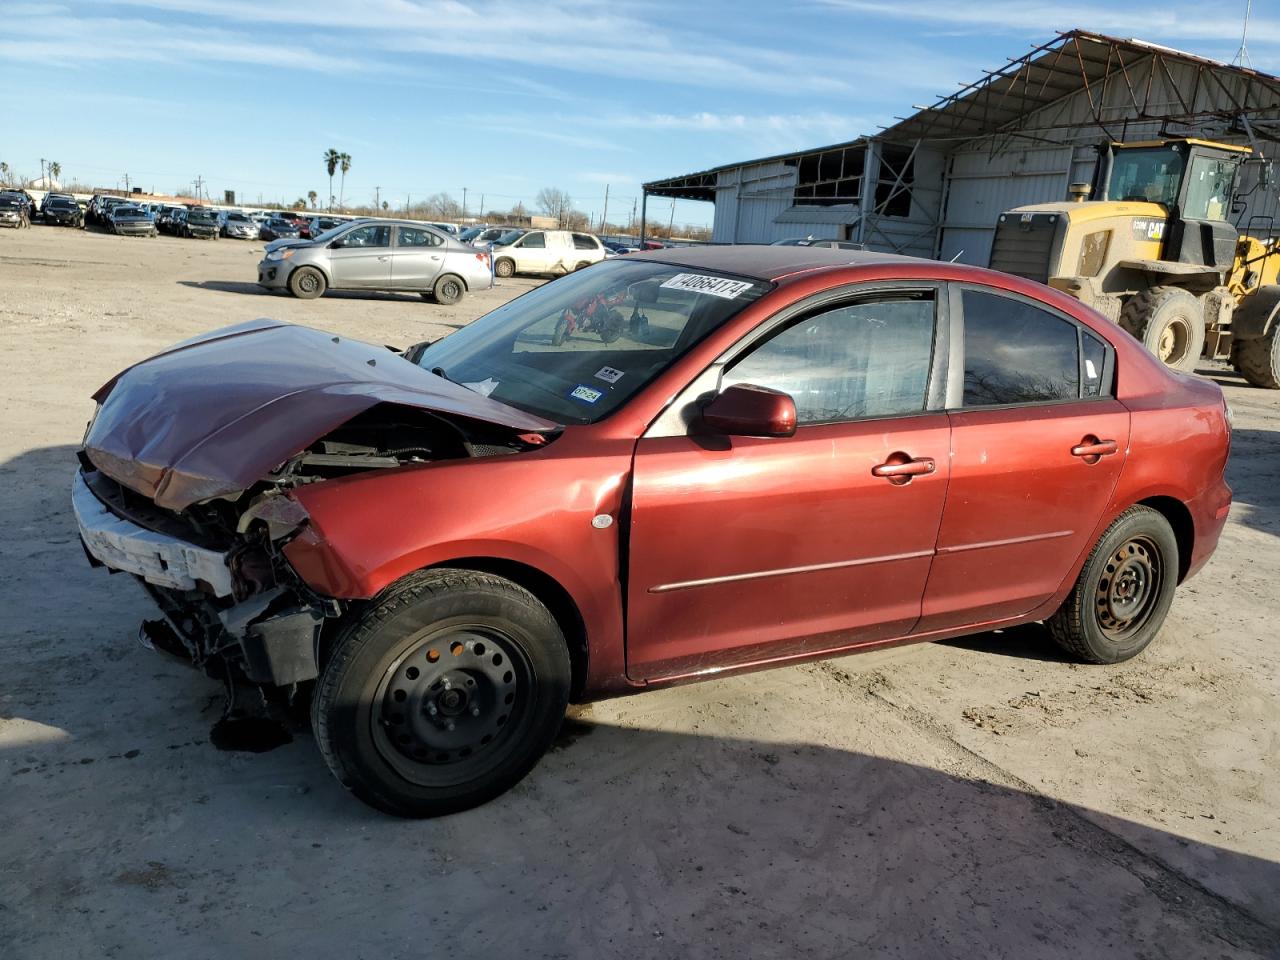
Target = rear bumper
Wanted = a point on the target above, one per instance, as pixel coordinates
(1209, 513)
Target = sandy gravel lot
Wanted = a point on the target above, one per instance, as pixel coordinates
(971, 799)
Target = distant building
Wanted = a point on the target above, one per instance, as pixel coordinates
(933, 184)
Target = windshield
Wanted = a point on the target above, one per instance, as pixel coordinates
(201, 215)
(123, 211)
(576, 349)
(239, 217)
(470, 234)
(60, 202)
(1146, 173)
(511, 236)
(8, 202)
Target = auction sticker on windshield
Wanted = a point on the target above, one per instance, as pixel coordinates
(715, 286)
(583, 392)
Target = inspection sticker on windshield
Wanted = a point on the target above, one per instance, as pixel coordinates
(715, 286)
(609, 374)
(583, 392)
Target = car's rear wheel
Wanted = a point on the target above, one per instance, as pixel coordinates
(442, 694)
(449, 289)
(1122, 596)
(307, 283)
(505, 267)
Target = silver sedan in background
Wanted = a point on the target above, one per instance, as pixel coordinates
(397, 255)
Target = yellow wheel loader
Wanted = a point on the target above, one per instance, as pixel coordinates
(1155, 252)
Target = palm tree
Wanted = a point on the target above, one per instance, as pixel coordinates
(55, 171)
(331, 160)
(344, 160)
(311, 195)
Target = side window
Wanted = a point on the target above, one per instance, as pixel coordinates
(374, 235)
(413, 237)
(583, 242)
(538, 240)
(1017, 353)
(859, 360)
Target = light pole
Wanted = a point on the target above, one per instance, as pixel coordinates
(464, 203)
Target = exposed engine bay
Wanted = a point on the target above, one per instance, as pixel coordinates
(230, 602)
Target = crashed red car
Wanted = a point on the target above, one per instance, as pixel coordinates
(669, 466)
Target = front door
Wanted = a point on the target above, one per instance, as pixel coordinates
(416, 258)
(530, 252)
(1036, 449)
(745, 549)
(362, 257)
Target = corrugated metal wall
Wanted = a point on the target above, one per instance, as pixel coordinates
(995, 174)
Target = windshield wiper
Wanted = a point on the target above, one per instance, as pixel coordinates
(439, 372)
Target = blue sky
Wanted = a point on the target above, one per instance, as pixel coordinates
(505, 98)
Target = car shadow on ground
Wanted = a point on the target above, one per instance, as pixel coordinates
(1030, 641)
(252, 289)
(1252, 472)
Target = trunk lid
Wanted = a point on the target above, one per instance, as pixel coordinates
(215, 414)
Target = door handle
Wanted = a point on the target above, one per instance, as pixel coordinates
(384, 258)
(434, 257)
(900, 468)
(1090, 449)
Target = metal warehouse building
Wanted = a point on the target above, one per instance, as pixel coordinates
(934, 184)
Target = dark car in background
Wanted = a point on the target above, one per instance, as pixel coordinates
(13, 211)
(28, 202)
(279, 228)
(201, 224)
(63, 211)
(130, 220)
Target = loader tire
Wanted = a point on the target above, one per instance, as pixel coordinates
(1259, 359)
(1170, 323)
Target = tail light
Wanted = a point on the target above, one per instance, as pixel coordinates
(483, 257)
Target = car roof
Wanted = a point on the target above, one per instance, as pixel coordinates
(772, 263)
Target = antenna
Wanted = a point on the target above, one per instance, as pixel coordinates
(1242, 55)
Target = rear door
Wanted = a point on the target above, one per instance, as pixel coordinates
(746, 549)
(416, 258)
(361, 257)
(1037, 445)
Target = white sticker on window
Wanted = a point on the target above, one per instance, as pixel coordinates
(1090, 370)
(721, 287)
(483, 387)
(581, 392)
(609, 374)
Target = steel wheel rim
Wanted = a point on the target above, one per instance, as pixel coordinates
(1174, 340)
(451, 290)
(308, 283)
(1129, 588)
(444, 720)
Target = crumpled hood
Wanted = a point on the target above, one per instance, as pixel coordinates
(215, 414)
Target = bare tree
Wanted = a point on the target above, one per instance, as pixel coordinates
(554, 202)
(518, 212)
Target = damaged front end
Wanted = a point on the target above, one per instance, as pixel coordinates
(207, 544)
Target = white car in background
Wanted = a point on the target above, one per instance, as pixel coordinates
(545, 251)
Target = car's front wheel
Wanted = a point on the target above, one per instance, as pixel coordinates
(307, 283)
(1122, 596)
(442, 694)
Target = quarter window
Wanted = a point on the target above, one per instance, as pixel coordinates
(1017, 353)
(583, 242)
(859, 360)
(1095, 358)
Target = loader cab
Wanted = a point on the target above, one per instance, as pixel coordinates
(1195, 181)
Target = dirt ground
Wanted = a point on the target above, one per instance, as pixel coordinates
(971, 799)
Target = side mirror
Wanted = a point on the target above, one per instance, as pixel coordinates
(414, 353)
(745, 410)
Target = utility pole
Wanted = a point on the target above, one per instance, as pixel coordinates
(672, 225)
(604, 217)
(633, 214)
(464, 203)
(482, 206)
(199, 186)
(43, 182)
(377, 198)
(126, 183)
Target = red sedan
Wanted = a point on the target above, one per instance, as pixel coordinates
(669, 466)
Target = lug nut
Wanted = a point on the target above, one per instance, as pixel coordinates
(475, 711)
(450, 725)
(431, 709)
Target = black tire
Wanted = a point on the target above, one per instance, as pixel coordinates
(1170, 323)
(561, 332)
(1259, 359)
(1123, 594)
(504, 267)
(582, 266)
(449, 289)
(307, 283)
(442, 693)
